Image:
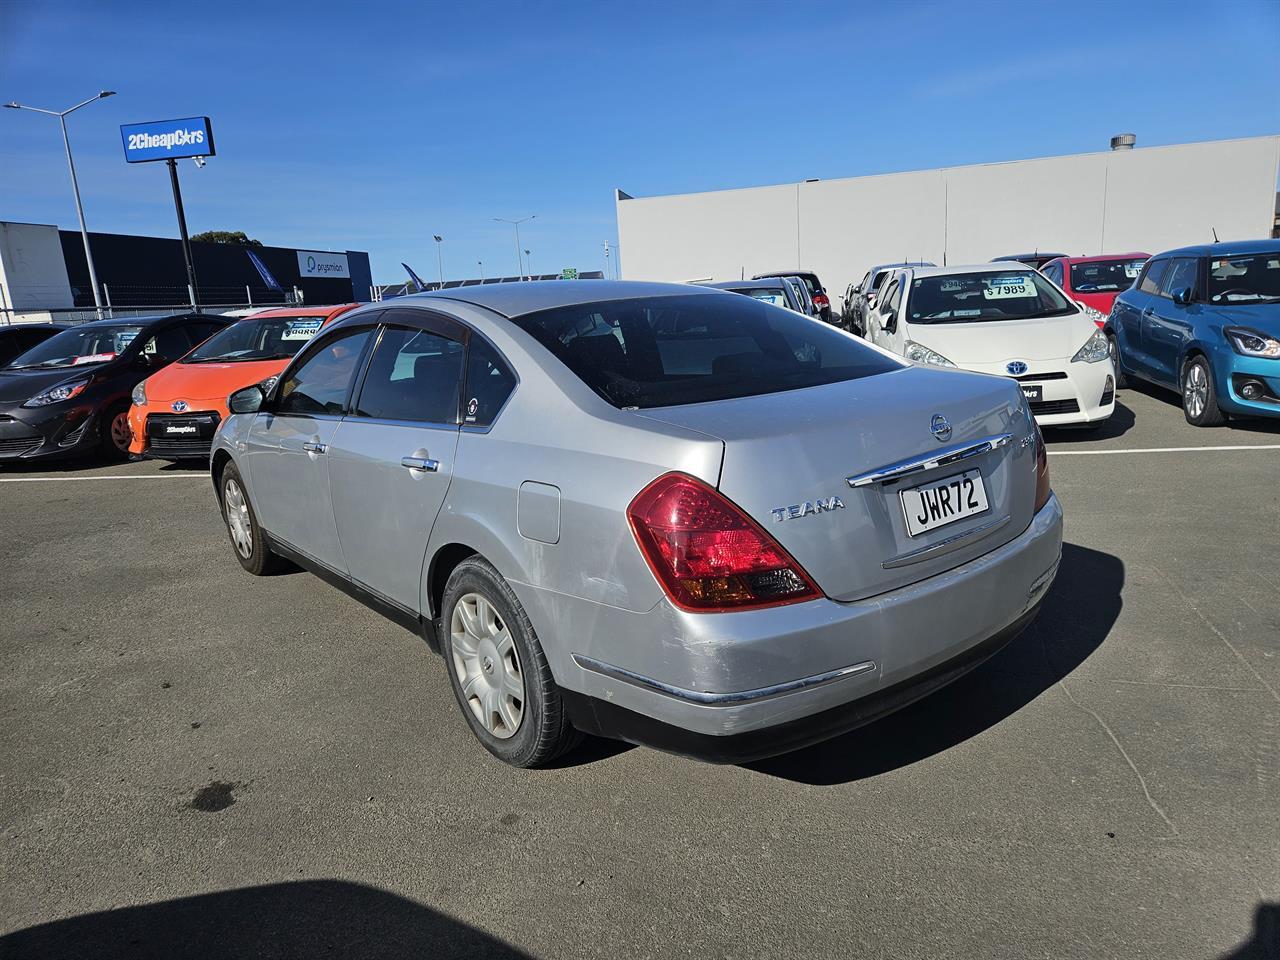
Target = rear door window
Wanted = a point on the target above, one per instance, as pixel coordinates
(413, 375)
(663, 351)
(489, 383)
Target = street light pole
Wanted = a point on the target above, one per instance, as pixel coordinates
(439, 258)
(516, 224)
(528, 263)
(75, 186)
(480, 264)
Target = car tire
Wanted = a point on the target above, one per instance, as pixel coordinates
(498, 672)
(114, 432)
(1113, 347)
(247, 541)
(1200, 395)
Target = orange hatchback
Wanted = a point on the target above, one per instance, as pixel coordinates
(176, 412)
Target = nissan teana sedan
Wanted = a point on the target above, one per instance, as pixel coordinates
(662, 513)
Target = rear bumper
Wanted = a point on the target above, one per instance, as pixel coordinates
(731, 687)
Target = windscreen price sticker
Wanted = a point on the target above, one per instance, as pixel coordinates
(1001, 288)
(300, 330)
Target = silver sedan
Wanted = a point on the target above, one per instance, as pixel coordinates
(663, 513)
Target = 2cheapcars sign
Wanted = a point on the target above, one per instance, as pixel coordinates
(167, 139)
(313, 264)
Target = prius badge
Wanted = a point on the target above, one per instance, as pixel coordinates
(798, 510)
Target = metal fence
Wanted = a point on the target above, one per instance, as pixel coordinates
(137, 301)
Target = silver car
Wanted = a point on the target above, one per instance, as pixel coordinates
(662, 513)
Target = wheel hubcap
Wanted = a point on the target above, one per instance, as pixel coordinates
(487, 665)
(237, 510)
(1195, 390)
(120, 432)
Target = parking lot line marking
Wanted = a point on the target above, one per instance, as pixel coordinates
(1099, 453)
(112, 476)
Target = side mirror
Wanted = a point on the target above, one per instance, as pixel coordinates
(1182, 296)
(246, 400)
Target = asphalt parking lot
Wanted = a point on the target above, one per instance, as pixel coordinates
(194, 762)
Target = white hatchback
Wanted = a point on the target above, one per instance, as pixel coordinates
(1004, 319)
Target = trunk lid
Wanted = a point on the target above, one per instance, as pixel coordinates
(785, 450)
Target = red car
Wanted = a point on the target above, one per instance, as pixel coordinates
(1095, 282)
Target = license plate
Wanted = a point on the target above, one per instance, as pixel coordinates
(933, 505)
(1033, 394)
(181, 430)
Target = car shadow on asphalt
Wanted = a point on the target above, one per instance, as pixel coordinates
(1264, 944)
(1076, 617)
(1116, 425)
(1172, 399)
(283, 921)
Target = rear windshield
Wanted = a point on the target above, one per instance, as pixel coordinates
(983, 297)
(1105, 276)
(1248, 279)
(775, 295)
(666, 351)
(268, 338)
(80, 346)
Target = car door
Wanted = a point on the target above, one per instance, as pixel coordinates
(883, 328)
(1128, 313)
(1166, 326)
(287, 445)
(391, 458)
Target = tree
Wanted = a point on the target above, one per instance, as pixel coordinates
(226, 236)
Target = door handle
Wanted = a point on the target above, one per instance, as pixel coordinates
(425, 464)
(315, 446)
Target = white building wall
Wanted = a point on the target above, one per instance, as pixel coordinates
(33, 273)
(1151, 199)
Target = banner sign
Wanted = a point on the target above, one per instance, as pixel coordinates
(267, 276)
(167, 139)
(313, 264)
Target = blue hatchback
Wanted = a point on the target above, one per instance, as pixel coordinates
(1205, 321)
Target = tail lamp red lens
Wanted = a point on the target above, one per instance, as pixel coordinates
(821, 300)
(707, 554)
(1042, 471)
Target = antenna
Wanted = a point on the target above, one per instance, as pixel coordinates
(1215, 234)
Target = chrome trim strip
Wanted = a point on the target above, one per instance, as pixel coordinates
(721, 699)
(942, 458)
(945, 546)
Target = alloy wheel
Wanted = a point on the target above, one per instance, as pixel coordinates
(120, 432)
(237, 510)
(487, 665)
(1195, 390)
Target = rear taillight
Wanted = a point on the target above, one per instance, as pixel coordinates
(821, 300)
(1042, 471)
(707, 554)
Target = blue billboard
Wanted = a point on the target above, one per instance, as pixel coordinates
(167, 139)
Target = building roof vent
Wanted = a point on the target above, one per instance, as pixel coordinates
(1123, 141)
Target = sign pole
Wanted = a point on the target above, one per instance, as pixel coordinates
(182, 230)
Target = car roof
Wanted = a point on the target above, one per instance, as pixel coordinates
(1230, 249)
(754, 282)
(1035, 254)
(786, 273)
(901, 263)
(327, 311)
(996, 266)
(1132, 255)
(529, 296)
(34, 326)
(115, 321)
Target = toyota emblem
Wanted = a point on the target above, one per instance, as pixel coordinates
(940, 427)
(1016, 367)
(178, 406)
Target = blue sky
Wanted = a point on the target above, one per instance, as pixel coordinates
(374, 126)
